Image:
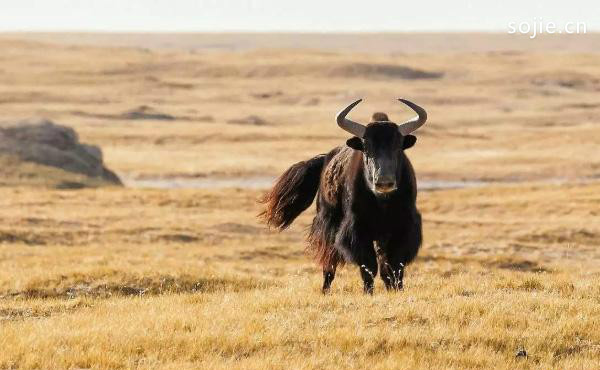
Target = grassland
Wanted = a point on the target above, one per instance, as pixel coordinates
(150, 279)
(129, 278)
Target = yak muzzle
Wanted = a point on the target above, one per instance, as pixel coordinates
(385, 185)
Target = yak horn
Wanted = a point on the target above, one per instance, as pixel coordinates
(415, 122)
(352, 127)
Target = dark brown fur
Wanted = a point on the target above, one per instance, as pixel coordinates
(293, 193)
(352, 224)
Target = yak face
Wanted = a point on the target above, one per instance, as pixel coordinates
(382, 143)
(382, 146)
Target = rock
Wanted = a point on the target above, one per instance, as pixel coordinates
(46, 143)
(249, 120)
(146, 112)
(267, 95)
(312, 101)
(521, 353)
(387, 71)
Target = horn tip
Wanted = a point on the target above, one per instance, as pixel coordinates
(342, 114)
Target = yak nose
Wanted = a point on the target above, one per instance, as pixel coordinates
(385, 185)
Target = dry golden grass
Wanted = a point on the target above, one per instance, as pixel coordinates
(15, 172)
(150, 279)
(125, 278)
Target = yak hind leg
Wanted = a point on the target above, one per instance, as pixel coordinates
(329, 272)
(321, 240)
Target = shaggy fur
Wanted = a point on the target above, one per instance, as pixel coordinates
(377, 232)
(294, 192)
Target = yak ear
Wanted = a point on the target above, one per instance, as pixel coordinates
(355, 143)
(409, 141)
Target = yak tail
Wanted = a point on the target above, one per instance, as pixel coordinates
(293, 193)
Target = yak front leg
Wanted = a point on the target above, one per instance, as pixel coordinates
(368, 270)
(393, 275)
(387, 270)
(398, 251)
(391, 267)
(354, 245)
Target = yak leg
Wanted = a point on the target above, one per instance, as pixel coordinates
(368, 269)
(392, 273)
(354, 245)
(389, 271)
(396, 253)
(390, 263)
(329, 272)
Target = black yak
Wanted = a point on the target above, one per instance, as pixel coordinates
(366, 204)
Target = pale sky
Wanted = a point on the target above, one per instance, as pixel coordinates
(282, 15)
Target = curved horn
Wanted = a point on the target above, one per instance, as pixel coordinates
(352, 127)
(415, 122)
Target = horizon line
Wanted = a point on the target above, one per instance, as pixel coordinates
(315, 32)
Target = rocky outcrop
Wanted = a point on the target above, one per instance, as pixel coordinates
(46, 143)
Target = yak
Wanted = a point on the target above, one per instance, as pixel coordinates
(366, 204)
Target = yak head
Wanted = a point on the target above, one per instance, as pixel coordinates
(382, 143)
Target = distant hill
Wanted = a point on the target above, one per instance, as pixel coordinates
(381, 43)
